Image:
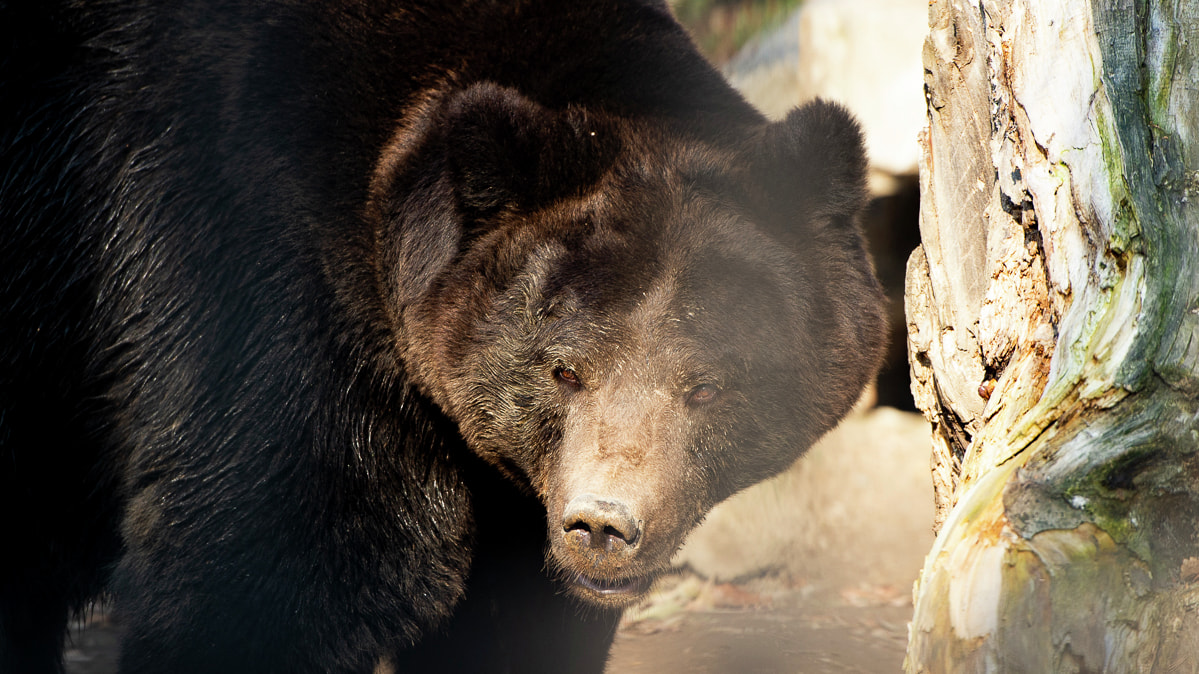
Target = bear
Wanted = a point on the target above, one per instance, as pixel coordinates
(396, 335)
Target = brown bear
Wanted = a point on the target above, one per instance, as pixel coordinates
(366, 335)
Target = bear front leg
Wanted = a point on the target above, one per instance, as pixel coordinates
(270, 578)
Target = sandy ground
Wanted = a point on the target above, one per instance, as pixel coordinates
(792, 631)
(809, 572)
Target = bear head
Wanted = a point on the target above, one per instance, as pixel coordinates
(630, 321)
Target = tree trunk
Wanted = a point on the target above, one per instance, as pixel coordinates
(1053, 315)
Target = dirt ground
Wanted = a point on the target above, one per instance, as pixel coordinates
(767, 627)
(809, 572)
(782, 630)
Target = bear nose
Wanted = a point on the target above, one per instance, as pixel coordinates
(594, 524)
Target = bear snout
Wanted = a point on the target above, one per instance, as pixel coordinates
(598, 549)
(598, 528)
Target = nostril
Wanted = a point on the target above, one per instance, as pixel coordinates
(628, 537)
(577, 525)
(615, 539)
(578, 532)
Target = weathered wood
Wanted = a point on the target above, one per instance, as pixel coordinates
(1054, 332)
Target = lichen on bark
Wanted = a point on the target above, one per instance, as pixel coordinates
(1073, 539)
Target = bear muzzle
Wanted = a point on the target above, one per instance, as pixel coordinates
(601, 537)
(597, 526)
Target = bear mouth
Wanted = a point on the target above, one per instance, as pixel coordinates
(621, 591)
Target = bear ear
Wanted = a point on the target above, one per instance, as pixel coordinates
(507, 151)
(814, 166)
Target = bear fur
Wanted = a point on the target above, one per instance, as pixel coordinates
(390, 335)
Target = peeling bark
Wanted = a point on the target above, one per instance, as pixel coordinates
(1053, 314)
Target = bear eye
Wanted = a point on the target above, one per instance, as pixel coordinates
(569, 377)
(703, 394)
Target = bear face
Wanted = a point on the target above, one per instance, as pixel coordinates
(630, 324)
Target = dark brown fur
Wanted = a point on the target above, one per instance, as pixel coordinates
(327, 324)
